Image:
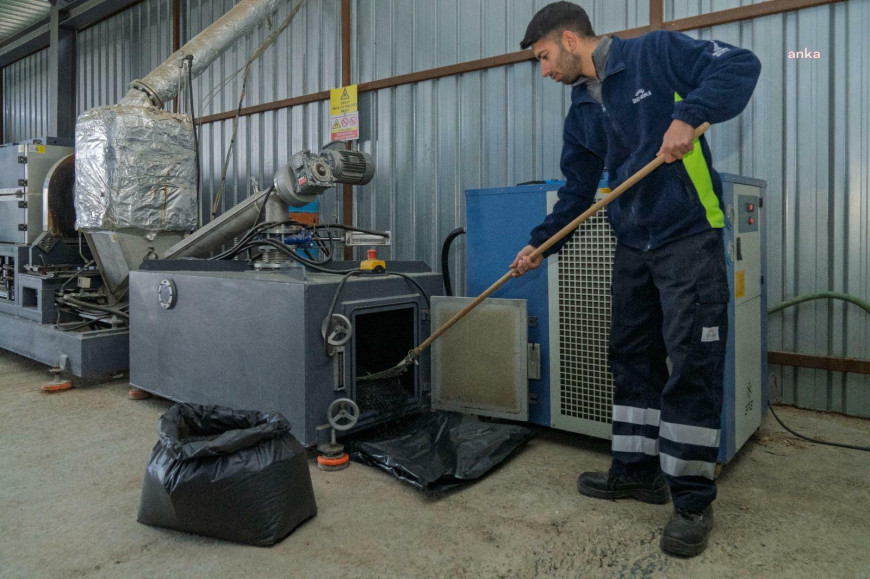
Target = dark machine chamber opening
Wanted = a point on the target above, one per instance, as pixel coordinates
(382, 338)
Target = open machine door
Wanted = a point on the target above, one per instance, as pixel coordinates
(481, 365)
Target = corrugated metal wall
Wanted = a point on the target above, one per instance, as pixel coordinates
(116, 51)
(676, 9)
(25, 98)
(807, 133)
(304, 59)
(433, 140)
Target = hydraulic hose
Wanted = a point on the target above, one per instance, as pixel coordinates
(445, 258)
(98, 307)
(819, 296)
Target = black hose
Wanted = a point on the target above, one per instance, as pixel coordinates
(98, 307)
(347, 276)
(80, 326)
(329, 315)
(413, 281)
(357, 229)
(445, 258)
(807, 438)
(246, 238)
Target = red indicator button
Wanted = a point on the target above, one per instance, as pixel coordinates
(750, 207)
(751, 220)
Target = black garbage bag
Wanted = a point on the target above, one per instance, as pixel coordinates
(437, 451)
(232, 474)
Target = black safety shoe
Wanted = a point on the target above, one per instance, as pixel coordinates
(604, 485)
(686, 533)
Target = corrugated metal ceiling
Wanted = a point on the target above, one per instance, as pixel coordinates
(16, 15)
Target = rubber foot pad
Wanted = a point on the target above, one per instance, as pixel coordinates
(56, 386)
(136, 394)
(328, 463)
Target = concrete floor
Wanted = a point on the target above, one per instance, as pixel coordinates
(71, 468)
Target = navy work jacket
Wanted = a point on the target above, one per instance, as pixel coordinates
(648, 82)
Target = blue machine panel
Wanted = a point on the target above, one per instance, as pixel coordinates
(499, 222)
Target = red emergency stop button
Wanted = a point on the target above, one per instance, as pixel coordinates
(751, 220)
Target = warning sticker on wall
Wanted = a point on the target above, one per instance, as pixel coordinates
(343, 113)
(739, 284)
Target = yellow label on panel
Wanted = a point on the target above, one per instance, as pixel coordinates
(739, 284)
(40, 148)
(343, 100)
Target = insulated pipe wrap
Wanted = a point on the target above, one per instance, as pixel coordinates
(161, 84)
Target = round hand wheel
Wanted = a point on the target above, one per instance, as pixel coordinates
(340, 330)
(342, 414)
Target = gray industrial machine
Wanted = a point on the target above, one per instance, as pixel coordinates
(72, 227)
(23, 169)
(265, 340)
(40, 255)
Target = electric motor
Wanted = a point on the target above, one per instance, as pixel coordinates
(308, 175)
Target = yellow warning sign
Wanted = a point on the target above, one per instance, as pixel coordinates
(343, 100)
(739, 284)
(343, 113)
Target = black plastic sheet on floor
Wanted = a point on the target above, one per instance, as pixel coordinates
(438, 451)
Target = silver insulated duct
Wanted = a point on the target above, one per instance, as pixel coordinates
(162, 83)
(135, 162)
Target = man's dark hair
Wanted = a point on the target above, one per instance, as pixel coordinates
(557, 17)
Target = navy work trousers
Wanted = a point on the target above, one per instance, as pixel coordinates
(671, 302)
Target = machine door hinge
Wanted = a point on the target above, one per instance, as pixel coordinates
(22, 182)
(22, 227)
(22, 204)
(534, 361)
(22, 159)
(761, 202)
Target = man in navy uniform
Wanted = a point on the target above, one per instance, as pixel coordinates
(633, 99)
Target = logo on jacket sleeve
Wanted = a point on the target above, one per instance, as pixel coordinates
(640, 95)
(719, 50)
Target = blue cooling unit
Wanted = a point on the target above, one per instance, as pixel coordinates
(568, 306)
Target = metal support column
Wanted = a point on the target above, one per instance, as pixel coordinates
(61, 77)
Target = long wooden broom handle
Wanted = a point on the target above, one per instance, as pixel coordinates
(565, 231)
